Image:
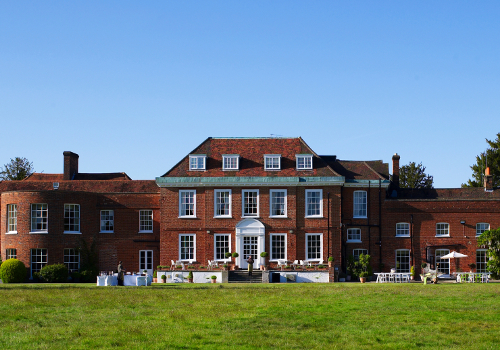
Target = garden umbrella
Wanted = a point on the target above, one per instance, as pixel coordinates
(454, 255)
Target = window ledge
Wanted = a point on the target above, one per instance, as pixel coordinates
(360, 217)
(72, 233)
(314, 217)
(106, 231)
(278, 217)
(39, 232)
(354, 241)
(250, 217)
(187, 217)
(145, 232)
(223, 217)
(442, 235)
(401, 236)
(11, 233)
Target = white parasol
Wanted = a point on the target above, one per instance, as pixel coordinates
(453, 255)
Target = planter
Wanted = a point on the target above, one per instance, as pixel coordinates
(329, 264)
(362, 279)
(190, 280)
(155, 280)
(261, 267)
(393, 270)
(412, 278)
(342, 279)
(214, 280)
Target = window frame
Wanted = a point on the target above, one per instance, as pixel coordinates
(222, 257)
(71, 254)
(244, 194)
(398, 261)
(11, 219)
(216, 204)
(75, 209)
(183, 205)
(197, 158)
(349, 230)
(227, 160)
(271, 203)
(308, 257)
(442, 229)
(485, 262)
(41, 263)
(189, 259)
(307, 162)
(10, 253)
(44, 218)
(402, 229)
(272, 166)
(307, 192)
(479, 229)
(356, 252)
(272, 239)
(112, 220)
(144, 217)
(360, 209)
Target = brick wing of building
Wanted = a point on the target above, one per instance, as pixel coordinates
(244, 195)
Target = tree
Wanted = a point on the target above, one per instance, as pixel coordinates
(490, 158)
(17, 169)
(414, 176)
(491, 239)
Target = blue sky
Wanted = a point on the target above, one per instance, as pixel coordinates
(135, 86)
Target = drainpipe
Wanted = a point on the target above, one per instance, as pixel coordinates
(328, 253)
(368, 215)
(411, 241)
(380, 220)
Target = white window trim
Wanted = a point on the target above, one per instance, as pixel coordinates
(152, 221)
(297, 156)
(271, 204)
(100, 222)
(194, 245)
(357, 249)
(441, 223)
(270, 246)
(180, 204)
(487, 259)
(230, 215)
(321, 246)
(243, 204)
(272, 156)
(43, 232)
(482, 223)
(231, 156)
(354, 203)
(198, 156)
(9, 206)
(215, 247)
(396, 259)
(79, 232)
(401, 223)
(354, 240)
(320, 215)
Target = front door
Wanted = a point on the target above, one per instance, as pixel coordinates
(146, 261)
(250, 247)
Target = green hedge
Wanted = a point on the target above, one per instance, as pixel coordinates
(12, 271)
(57, 273)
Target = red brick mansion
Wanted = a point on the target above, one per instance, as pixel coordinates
(245, 195)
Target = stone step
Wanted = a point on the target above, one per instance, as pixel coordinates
(242, 276)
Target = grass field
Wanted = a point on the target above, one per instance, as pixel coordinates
(283, 316)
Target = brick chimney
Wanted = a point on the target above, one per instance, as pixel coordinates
(395, 170)
(488, 180)
(70, 165)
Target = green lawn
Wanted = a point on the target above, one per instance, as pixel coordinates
(283, 316)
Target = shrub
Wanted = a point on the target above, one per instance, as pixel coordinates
(163, 277)
(228, 254)
(190, 274)
(57, 273)
(264, 254)
(331, 259)
(155, 274)
(12, 271)
(235, 255)
(214, 277)
(88, 276)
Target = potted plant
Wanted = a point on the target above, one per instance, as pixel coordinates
(412, 273)
(144, 272)
(224, 267)
(265, 258)
(350, 267)
(364, 266)
(472, 267)
(235, 255)
(155, 276)
(330, 261)
(163, 278)
(190, 277)
(214, 279)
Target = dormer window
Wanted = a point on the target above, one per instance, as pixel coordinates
(230, 162)
(304, 161)
(272, 161)
(197, 162)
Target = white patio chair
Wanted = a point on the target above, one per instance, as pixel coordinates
(485, 278)
(382, 278)
(302, 263)
(295, 263)
(390, 277)
(172, 266)
(397, 278)
(281, 264)
(471, 278)
(405, 278)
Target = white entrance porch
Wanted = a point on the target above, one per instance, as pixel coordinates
(250, 240)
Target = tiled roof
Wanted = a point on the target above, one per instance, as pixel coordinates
(97, 186)
(474, 193)
(78, 176)
(359, 170)
(251, 152)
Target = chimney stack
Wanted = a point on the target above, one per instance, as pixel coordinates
(395, 169)
(488, 180)
(70, 165)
